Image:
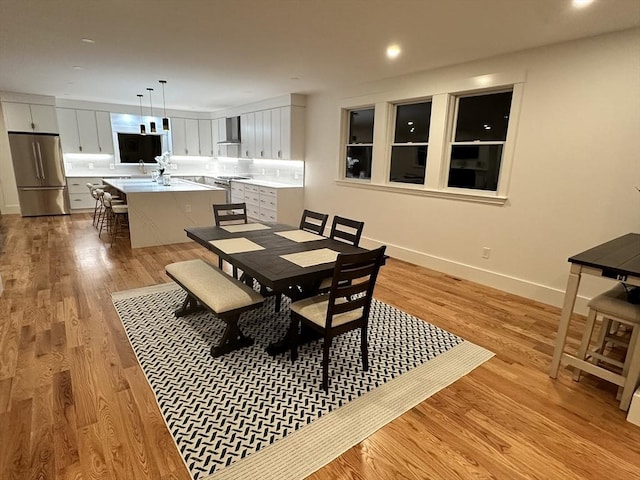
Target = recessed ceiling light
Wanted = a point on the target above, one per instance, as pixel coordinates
(88, 40)
(294, 78)
(77, 67)
(393, 51)
(581, 3)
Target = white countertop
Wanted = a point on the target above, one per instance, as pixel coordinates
(145, 185)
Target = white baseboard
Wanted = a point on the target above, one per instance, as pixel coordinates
(506, 283)
(10, 209)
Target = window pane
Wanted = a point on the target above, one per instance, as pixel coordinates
(475, 166)
(361, 126)
(483, 118)
(359, 162)
(412, 123)
(408, 164)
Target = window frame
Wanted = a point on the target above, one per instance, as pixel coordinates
(392, 143)
(346, 129)
(454, 102)
(439, 151)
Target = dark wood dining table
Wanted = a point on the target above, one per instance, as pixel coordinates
(267, 265)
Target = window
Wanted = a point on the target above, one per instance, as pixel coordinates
(478, 140)
(360, 144)
(410, 144)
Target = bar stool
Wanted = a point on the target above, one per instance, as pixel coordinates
(615, 310)
(102, 211)
(115, 215)
(92, 190)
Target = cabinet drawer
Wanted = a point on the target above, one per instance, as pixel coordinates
(81, 200)
(237, 197)
(268, 191)
(251, 198)
(79, 184)
(268, 202)
(253, 211)
(252, 188)
(268, 215)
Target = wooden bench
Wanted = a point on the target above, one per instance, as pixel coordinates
(209, 288)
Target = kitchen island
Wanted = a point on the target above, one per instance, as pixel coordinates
(158, 214)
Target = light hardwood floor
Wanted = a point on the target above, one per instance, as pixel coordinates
(74, 404)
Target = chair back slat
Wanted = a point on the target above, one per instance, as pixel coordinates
(229, 213)
(313, 221)
(346, 295)
(346, 230)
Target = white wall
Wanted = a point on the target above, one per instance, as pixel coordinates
(576, 165)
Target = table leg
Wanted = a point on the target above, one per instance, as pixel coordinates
(570, 295)
(306, 334)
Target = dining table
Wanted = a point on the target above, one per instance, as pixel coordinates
(617, 259)
(281, 257)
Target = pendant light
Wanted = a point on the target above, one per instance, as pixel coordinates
(165, 119)
(152, 124)
(143, 130)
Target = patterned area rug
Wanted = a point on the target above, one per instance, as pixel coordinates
(249, 415)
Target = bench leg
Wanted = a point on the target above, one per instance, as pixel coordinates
(190, 305)
(232, 338)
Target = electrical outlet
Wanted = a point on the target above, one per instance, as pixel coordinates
(112, 166)
(296, 175)
(187, 208)
(206, 166)
(486, 251)
(90, 166)
(277, 173)
(263, 171)
(174, 166)
(68, 166)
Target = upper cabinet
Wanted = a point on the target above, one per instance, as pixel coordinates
(27, 117)
(85, 131)
(184, 136)
(206, 138)
(276, 133)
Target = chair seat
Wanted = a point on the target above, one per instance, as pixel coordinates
(119, 209)
(315, 310)
(614, 302)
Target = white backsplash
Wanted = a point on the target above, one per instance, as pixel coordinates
(289, 172)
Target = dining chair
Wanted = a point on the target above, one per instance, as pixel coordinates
(345, 308)
(313, 221)
(229, 214)
(347, 231)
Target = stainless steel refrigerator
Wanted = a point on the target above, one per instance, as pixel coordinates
(37, 163)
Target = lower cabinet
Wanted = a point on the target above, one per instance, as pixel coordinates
(79, 196)
(269, 204)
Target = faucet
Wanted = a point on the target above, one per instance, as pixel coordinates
(141, 166)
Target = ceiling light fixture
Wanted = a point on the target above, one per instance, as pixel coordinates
(152, 124)
(143, 129)
(393, 51)
(581, 3)
(88, 40)
(165, 119)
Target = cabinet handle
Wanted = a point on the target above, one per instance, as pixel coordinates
(279, 153)
(33, 126)
(80, 147)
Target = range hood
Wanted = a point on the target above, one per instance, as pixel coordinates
(232, 132)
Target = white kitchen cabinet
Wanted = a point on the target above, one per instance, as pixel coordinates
(263, 134)
(184, 136)
(269, 204)
(105, 133)
(287, 133)
(247, 135)
(27, 117)
(79, 196)
(85, 131)
(205, 137)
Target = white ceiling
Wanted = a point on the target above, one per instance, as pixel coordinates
(220, 53)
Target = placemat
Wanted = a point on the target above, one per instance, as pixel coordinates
(236, 245)
(245, 227)
(300, 236)
(312, 257)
